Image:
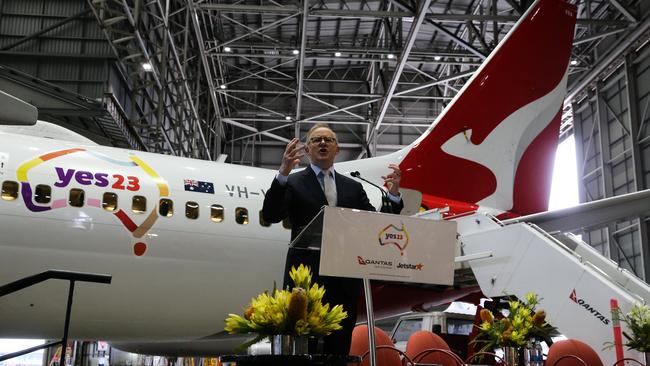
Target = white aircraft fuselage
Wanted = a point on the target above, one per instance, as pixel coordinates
(173, 277)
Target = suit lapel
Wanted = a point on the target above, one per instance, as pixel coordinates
(341, 197)
(311, 184)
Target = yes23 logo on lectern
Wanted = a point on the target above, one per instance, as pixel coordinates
(396, 236)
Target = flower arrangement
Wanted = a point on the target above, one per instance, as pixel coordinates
(521, 324)
(299, 312)
(638, 320)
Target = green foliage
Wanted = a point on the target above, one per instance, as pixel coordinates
(299, 312)
(638, 321)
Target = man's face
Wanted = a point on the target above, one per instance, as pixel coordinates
(322, 147)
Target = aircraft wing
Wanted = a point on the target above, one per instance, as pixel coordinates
(591, 213)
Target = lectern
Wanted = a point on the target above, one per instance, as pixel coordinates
(372, 245)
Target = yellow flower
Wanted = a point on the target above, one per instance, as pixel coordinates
(297, 312)
(531, 299)
(301, 276)
(519, 338)
(514, 305)
(316, 293)
(515, 329)
(236, 324)
(485, 326)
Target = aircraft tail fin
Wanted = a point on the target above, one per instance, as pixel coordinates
(494, 144)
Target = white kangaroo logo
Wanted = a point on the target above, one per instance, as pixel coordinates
(503, 148)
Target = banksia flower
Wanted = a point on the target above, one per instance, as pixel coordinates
(248, 313)
(297, 307)
(486, 316)
(506, 335)
(539, 318)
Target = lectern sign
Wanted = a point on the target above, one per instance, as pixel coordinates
(372, 245)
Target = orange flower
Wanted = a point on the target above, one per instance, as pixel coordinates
(248, 313)
(486, 316)
(297, 306)
(506, 335)
(539, 318)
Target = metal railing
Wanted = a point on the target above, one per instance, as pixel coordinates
(72, 277)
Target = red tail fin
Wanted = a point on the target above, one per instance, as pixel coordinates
(494, 144)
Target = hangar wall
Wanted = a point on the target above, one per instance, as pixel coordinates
(613, 156)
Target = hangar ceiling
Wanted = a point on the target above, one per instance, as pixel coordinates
(202, 78)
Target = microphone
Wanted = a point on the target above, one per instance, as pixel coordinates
(385, 201)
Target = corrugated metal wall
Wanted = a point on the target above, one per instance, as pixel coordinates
(74, 55)
(613, 151)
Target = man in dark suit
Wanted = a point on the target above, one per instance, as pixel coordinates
(300, 197)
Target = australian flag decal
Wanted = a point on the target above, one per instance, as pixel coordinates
(199, 186)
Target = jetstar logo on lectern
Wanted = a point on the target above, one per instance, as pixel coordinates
(585, 305)
(393, 235)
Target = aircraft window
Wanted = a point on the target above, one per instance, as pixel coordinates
(43, 193)
(9, 190)
(139, 204)
(241, 215)
(109, 201)
(262, 222)
(216, 213)
(77, 197)
(166, 207)
(192, 210)
(286, 223)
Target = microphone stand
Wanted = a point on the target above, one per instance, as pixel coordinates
(385, 200)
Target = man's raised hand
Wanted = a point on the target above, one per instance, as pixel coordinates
(291, 157)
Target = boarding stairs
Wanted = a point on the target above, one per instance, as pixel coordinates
(576, 284)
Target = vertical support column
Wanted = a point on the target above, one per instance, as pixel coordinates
(637, 163)
(633, 98)
(388, 95)
(301, 66)
(580, 153)
(605, 170)
(207, 70)
(604, 141)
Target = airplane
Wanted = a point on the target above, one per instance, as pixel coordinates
(184, 239)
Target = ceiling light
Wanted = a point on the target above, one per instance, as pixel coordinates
(390, 56)
(227, 49)
(295, 52)
(337, 54)
(146, 66)
(222, 86)
(574, 62)
(437, 58)
(288, 118)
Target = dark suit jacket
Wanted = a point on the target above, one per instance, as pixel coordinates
(302, 198)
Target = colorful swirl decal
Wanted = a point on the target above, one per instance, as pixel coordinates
(65, 176)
